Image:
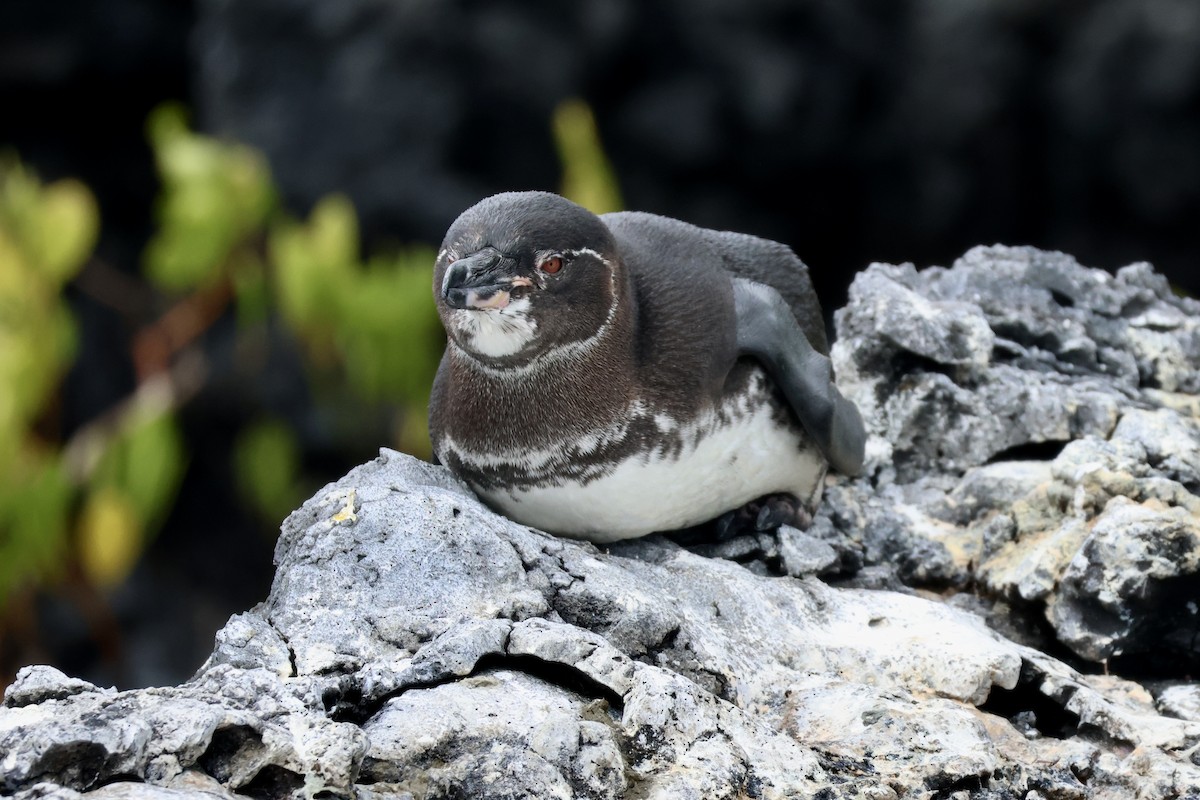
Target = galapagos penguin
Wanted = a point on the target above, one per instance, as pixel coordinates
(606, 377)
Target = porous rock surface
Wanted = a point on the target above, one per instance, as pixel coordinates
(415, 644)
(1036, 436)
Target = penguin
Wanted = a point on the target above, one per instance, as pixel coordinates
(607, 377)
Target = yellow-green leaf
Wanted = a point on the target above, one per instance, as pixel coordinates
(145, 462)
(216, 195)
(266, 462)
(334, 230)
(587, 176)
(69, 223)
(35, 498)
(110, 536)
(315, 265)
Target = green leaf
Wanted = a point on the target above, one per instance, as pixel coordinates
(35, 501)
(388, 331)
(69, 222)
(587, 178)
(314, 264)
(146, 462)
(250, 287)
(111, 536)
(215, 197)
(334, 233)
(266, 463)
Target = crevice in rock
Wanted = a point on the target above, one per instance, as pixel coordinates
(346, 700)
(343, 700)
(1025, 622)
(1063, 299)
(943, 786)
(271, 782)
(1164, 643)
(1047, 450)
(348, 703)
(80, 765)
(904, 365)
(291, 651)
(1082, 773)
(556, 673)
(1031, 711)
(1019, 332)
(228, 749)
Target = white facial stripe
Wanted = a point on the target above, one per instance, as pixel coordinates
(587, 251)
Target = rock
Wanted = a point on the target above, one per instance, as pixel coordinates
(1111, 593)
(415, 644)
(1060, 470)
(441, 649)
(38, 683)
(1181, 700)
(802, 554)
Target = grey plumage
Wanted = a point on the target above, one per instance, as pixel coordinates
(613, 375)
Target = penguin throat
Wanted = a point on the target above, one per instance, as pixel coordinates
(495, 333)
(499, 353)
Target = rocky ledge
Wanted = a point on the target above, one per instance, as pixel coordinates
(1005, 606)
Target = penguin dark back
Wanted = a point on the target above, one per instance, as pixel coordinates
(606, 377)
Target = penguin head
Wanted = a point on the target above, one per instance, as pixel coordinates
(520, 274)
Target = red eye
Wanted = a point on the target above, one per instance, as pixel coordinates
(551, 265)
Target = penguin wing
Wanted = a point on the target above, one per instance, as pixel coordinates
(774, 315)
(739, 254)
(768, 331)
(774, 264)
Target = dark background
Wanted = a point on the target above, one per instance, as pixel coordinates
(853, 130)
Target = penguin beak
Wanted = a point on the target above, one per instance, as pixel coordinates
(478, 281)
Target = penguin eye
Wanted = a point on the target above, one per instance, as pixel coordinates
(551, 265)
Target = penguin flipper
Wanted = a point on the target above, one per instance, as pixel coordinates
(768, 331)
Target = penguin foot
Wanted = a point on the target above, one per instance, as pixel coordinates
(737, 522)
(776, 510)
(764, 514)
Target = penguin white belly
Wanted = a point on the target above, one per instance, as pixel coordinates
(726, 460)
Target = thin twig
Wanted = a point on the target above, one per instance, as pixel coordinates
(156, 344)
(164, 391)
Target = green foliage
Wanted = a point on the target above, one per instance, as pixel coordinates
(376, 319)
(588, 178)
(145, 462)
(35, 499)
(130, 490)
(46, 234)
(266, 461)
(214, 196)
(313, 260)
